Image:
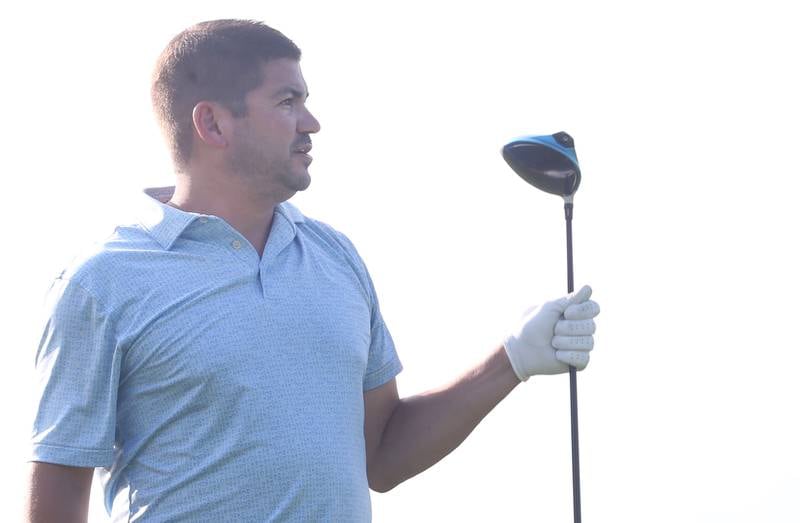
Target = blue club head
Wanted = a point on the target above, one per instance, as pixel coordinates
(547, 162)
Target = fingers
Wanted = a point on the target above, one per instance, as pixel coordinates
(573, 339)
(582, 311)
(579, 296)
(577, 359)
(573, 343)
(575, 328)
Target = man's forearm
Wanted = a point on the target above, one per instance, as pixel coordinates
(425, 428)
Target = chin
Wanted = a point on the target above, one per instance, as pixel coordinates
(300, 181)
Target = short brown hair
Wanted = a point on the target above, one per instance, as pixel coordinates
(218, 60)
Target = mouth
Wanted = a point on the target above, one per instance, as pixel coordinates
(303, 150)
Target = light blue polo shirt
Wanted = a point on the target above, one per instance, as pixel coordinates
(211, 384)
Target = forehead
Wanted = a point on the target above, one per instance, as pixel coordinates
(281, 76)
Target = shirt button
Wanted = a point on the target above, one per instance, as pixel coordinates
(236, 244)
(203, 219)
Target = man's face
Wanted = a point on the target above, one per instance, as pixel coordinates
(269, 145)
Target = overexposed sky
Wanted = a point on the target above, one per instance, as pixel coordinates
(685, 117)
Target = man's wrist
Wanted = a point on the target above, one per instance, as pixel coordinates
(512, 367)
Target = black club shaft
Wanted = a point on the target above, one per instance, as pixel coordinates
(573, 384)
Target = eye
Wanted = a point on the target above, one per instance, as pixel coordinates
(288, 101)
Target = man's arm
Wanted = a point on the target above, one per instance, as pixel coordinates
(57, 493)
(405, 437)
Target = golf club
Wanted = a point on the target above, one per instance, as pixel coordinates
(549, 163)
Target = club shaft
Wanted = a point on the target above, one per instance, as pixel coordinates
(573, 385)
(568, 217)
(576, 467)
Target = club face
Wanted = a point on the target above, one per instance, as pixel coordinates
(547, 162)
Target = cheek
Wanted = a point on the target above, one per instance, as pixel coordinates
(271, 134)
(282, 125)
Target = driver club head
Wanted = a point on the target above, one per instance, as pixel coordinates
(547, 162)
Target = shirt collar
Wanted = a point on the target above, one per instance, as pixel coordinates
(166, 223)
(290, 212)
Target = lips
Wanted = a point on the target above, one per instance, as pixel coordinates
(303, 149)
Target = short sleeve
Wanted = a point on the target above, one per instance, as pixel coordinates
(76, 381)
(383, 364)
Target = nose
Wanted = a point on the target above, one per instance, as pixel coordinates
(308, 124)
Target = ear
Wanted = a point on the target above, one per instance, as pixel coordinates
(208, 119)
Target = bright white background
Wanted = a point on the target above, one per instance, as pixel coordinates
(685, 116)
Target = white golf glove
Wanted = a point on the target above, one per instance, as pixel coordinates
(553, 336)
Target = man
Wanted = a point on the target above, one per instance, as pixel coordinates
(225, 359)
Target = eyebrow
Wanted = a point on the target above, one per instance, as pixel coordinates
(295, 92)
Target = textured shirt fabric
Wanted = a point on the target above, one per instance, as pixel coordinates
(207, 383)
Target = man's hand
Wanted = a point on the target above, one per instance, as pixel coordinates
(553, 336)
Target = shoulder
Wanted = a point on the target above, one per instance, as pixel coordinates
(335, 244)
(322, 233)
(97, 268)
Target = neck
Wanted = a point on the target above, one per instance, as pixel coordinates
(247, 211)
